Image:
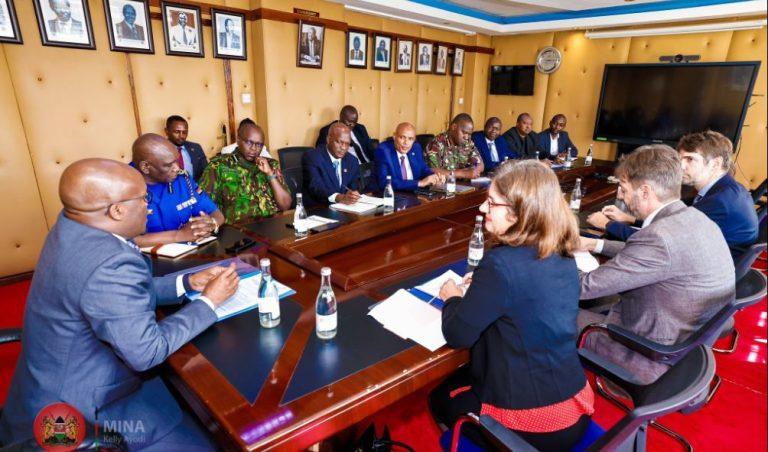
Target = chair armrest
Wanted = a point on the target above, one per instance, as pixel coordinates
(504, 437)
(10, 335)
(667, 354)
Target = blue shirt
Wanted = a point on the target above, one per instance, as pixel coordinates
(187, 161)
(172, 208)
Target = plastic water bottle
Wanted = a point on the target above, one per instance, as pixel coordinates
(300, 217)
(450, 184)
(476, 243)
(326, 320)
(576, 196)
(269, 302)
(537, 154)
(389, 196)
(588, 159)
(568, 162)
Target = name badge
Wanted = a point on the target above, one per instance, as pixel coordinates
(185, 204)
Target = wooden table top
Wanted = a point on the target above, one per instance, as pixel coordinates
(366, 253)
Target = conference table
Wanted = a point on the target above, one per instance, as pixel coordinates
(283, 388)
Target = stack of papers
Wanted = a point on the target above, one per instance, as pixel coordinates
(316, 220)
(430, 290)
(247, 296)
(176, 249)
(365, 199)
(410, 318)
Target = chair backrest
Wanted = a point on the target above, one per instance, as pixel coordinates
(747, 258)
(293, 177)
(750, 289)
(678, 388)
(368, 180)
(760, 191)
(290, 157)
(424, 140)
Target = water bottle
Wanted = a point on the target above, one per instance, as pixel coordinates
(300, 217)
(269, 302)
(568, 162)
(450, 184)
(389, 196)
(537, 154)
(476, 243)
(588, 159)
(326, 321)
(576, 196)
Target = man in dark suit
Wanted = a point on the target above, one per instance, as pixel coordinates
(706, 159)
(362, 148)
(554, 141)
(63, 24)
(382, 54)
(403, 159)
(522, 140)
(311, 47)
(356, 53)
(228, 38)
(90, 330)
(127, 28)
(192, 159)
(331, 174)
(492, 147)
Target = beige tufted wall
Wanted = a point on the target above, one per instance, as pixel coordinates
(575, 88)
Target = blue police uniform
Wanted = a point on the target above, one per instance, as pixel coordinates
(171, 208)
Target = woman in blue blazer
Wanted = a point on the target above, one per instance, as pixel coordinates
(518, 317)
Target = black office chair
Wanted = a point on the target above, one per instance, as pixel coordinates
(367, 180)
(759, 192)
(290, 163)
(679, 389)
(294, 180)
(424, 140)
(747, 259)
(750, 289)
(374, 143)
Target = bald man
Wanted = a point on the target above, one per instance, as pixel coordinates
(330, 173)
(360, 144)
(402, 158)
(90, 331)
(522, 139)
(179, 211)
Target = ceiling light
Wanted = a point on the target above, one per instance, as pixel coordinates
(407, 19)
(684, 29)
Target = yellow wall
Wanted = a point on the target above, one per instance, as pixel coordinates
(575, 88)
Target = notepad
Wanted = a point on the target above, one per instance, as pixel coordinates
(246, 297)
(408, 317)
(371, 200)
(173, 250)
(316, 220)
(358, 207)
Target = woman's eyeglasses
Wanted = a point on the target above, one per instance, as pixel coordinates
(492, 203)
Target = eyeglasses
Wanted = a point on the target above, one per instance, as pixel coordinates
(492, 203)
(251, 144)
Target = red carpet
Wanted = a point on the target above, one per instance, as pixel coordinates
(734, 420)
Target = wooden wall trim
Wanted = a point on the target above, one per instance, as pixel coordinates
(134, 99)
(230, 99)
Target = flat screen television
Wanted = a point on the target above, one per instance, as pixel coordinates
(659, 103)
(512, 80)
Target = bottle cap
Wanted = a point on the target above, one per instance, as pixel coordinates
(389, 177)
(479, 218)
(325, 271)
(264, 262)
(299, 196)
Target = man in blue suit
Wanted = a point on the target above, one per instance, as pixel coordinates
(90, 331)
(402, 158)
(191, 157)
(555, 142)
(492, 147)
(706, 158)
(331, 173)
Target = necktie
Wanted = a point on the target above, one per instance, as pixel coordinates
(184, 34)
(494, 153)
(403, 169)
(181, 159)
(337, 168)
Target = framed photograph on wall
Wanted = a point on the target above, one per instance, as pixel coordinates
(129, 26)
(441, 64)
(309, 52)
(458, 61)
(382, 52)
(357, 49)
(424, 57)
(9, 23)
(229, 35)
(183, 29)
(65, 23)
(404, 55)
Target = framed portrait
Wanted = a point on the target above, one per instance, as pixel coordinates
(424, 57)
(65, 23)
(441, 63)
(458, 61)
(309, 52)
(404, 55)
(357, 49)
(229, 35)
(183, 29)
(9, 23)
(382, 52)
(129, 26)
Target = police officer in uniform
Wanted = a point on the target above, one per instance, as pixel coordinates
(179, 210)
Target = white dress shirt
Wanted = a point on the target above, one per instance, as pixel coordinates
(553, 144)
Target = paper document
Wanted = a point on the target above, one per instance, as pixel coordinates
(432, 287)
(358, 207)
(481, 180)
(170, 250)
(246, 297)
(316, 220)
(585, 261)
(410, 318)
(371, 200)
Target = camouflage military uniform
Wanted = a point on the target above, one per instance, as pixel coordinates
(240, 188)
(442, 153)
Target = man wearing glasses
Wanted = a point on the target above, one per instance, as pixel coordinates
(179, 210)
(244, 184)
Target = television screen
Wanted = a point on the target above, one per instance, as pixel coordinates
(659, 103)
(512, 80)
